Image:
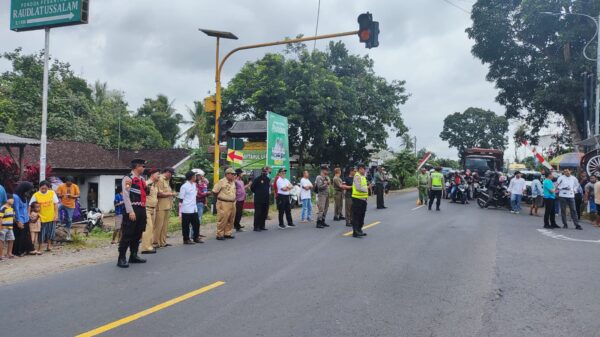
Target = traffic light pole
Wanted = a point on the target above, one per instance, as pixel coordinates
(218, 80)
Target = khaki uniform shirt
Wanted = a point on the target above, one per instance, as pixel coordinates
(225, 190)
(152, 196)
(337, 184)
(164, 203)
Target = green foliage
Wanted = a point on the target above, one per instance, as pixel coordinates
(402, 167)
(536, 60)
(78, 111)
(337, 106)
(446, 162)
(162, 113)
(475, 128)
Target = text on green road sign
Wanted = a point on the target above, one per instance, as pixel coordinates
(38, 14)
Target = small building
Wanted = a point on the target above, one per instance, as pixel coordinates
(96, 170)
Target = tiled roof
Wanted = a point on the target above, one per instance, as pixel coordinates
(7, 139)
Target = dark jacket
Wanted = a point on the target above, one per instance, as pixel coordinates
(261, 186)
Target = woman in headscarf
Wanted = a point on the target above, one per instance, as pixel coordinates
(23, 243)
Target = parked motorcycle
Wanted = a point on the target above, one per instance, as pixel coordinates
(499, 199)
(94, 218)
(295, 195)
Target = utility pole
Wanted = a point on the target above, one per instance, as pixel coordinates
(44, 137)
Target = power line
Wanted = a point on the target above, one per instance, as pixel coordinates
(317, 25)
(457, 6)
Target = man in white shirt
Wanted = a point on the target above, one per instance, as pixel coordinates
(189, 210)
(567, 185)
(283, 199)
(306, 196)
(516, 188)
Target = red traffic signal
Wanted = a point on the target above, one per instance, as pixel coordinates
(368, 30)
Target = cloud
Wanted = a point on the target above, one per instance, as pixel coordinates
(146, 47)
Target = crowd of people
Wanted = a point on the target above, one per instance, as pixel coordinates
(143, 203)
(556, 191)
(29, 217)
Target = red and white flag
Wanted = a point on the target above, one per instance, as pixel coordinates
(537, 155)
(423, 160)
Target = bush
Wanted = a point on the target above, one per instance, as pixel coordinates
(410, 182)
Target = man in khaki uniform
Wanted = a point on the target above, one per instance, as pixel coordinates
(151, 201)
(225, 193)
(163, 207)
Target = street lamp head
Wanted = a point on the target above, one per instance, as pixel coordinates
(218, 33)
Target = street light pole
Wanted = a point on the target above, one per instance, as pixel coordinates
(219, 66)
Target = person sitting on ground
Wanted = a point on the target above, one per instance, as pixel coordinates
(7, 217)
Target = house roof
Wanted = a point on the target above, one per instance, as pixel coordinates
(80, 156)
(158, 158)
(248, 129)
(6, 139)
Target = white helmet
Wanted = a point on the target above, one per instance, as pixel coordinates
(198, 172)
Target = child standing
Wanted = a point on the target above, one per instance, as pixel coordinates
(7, 216)
(119, 210)
(35, 225)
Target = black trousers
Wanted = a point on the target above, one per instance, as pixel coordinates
(261, 210)
(132, 231)
(359, 210)
(239, 209)
(186, 220)
(380, 191)
(578, 203)
(437, 194)
(549, 212)
(284, 207)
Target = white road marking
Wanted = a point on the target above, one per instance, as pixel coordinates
(416, 208)
(554, 235)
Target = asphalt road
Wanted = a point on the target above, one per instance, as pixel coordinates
(459, 272)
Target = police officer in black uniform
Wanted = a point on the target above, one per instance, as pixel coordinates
(261, 187)
(134, 222)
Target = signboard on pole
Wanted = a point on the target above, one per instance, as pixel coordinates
(255, 155)
(278, 151)
(41, 14)
(234, 156)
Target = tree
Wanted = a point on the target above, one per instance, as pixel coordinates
(402, 166)
(536, 60)
(198, 126)
(164, 116)
(475, 128)
(337, 107)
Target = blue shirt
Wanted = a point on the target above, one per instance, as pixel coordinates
(536, 188)
(3, 197)
(121, 208)
(20, 207)
(548, 187)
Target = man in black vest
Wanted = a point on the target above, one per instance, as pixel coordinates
(134, 222)
(261, 187)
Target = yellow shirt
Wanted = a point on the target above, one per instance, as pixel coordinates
(225, 189)
(164, 203)
(73, 194)
(7, 216)
(47, 202)
(152, 196)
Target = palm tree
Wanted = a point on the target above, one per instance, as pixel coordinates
(198, 123)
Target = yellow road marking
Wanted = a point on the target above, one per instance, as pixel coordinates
(149, 311)
(365, 227)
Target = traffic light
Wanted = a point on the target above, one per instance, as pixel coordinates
(368, 30)
(224, 126)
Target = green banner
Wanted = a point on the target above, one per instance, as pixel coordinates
(255, 155)
(39, 14)
(278, 151)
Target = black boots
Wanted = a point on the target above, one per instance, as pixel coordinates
(134, 258)
(122, 261)
(320, 224)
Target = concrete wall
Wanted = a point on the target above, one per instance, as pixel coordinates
(106, 192)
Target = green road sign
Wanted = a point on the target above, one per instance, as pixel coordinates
(40, 14)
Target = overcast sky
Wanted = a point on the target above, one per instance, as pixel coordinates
(146, 47)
